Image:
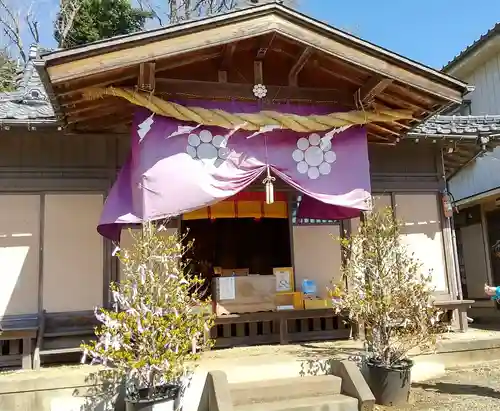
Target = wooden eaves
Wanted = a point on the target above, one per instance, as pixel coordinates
(299, 59)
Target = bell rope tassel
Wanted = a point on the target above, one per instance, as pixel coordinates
(268, 181)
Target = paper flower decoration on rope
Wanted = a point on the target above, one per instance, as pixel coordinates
(259, 91)
(314, 156)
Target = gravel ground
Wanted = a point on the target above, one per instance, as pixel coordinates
(471, 388)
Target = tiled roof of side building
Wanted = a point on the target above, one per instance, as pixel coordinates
(29, 101)
(459, 125)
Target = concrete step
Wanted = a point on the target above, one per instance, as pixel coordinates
(284, 389)
(337, 402)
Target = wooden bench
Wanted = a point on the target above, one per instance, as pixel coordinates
(62, 334)
(458, 307)
(15, 329)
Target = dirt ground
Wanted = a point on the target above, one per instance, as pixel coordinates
(472, 388)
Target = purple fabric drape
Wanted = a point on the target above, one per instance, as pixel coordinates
(177, 167)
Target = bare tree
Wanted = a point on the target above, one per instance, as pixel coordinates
(15, 16)
(175, 11)
(68, 10)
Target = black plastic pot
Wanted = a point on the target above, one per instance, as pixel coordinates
(147, 398)
(390, 386)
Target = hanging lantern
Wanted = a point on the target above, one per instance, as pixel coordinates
(268, 181)
(447, 205)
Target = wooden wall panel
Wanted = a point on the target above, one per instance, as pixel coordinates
(19, 253)
(73, 253)
(422, 231)
(404, 158)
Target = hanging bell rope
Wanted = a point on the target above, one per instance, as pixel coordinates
(268, 181)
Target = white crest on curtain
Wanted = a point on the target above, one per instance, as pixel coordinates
(314, 156)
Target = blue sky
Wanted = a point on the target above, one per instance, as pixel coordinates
(429, 31)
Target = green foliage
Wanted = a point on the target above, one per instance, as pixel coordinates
(386, 290)
(99, 19)
(159, 323)
(7, 73)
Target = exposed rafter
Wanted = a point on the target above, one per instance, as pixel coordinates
(298, 66)
(227, 55)
(367, 93)
(264, 46)
(227, 59)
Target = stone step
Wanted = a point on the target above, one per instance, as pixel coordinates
(284, 389)
(337, 402)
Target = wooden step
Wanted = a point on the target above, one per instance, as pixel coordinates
(284, 389)
(337, 402)
(61, 351)
(68, 333)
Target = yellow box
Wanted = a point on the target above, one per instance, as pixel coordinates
(290, 298)
(317, 304)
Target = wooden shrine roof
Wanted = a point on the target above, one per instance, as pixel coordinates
(299, 59)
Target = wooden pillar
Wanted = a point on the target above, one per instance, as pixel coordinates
(291, 198)
(41, 229)
(487, 245)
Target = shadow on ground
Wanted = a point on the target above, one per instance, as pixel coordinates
(459, 389)
(316, 359)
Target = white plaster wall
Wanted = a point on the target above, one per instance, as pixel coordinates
(73, 254)
(317, 255)
(422, 233)
(19, 253)
(474, 260)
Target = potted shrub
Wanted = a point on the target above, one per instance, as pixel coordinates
(153, 334)
(387, 292)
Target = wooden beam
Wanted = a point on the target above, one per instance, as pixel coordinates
(209, 89)
(97, 114)
(264, 46)
(380, 138)
(385, 129)
(107, 122)
(100, 81)
(258, 74)
(350, 80)
(227, 56)
(147, 74)
(89, 105)
(131, 73)
(372, 88)
(373, 60)
(298, 66)
(388, 98)
(222, 74)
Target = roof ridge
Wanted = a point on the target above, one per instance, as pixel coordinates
(477, 43)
